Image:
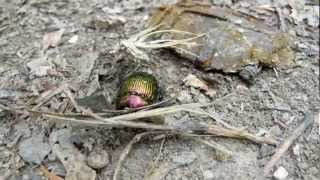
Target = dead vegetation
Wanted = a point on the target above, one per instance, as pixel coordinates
(68, 58)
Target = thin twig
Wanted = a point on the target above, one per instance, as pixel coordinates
(239, 134)
(308, 121)
(155, 162)
(73, 101)
(46, 96)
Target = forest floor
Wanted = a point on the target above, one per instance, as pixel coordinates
(48, 45)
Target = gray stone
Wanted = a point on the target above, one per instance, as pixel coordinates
(57, 168)
(34, 150)
(280, 173)
(208, 175)
(184, 97)
(98, 158)
(184, 158)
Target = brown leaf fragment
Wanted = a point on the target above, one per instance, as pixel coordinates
(48, 174)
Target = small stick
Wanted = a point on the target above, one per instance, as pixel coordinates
(238, 134)
(46, 96)
(308, 121)
(155, 162)
(73, 101)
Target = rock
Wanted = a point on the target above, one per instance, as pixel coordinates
(73, 39)
(39, 67)
(275, 131)
(202, 99)
(52, 39)
(184, 97)
(184, 158)
(222, 2)
(296, 150)
(222, 156)
(192, 81)
(34, 150)
(57, 168)
(280, 173)
(208, 175)
(265, 150)
(211, 93)
(98, 158)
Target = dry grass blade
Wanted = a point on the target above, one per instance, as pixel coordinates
(138, 43)
(155, 162)
(239, 134)
(197, 128)
(138, 115)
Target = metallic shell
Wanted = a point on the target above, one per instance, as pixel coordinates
(141, 84)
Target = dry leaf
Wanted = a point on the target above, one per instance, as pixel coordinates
(48, 174)
(193, 81)
(52, 39)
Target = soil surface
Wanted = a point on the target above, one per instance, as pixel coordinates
(46, 45)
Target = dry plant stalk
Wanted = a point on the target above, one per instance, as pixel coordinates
(131, 120)
(139, 42)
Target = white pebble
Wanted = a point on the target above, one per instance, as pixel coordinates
(281, 173)
(73, 39)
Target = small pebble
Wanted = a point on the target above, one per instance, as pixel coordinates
(184, 97)
(73, 39)
(98, 159)
(208, 175)
(296, 150)
(184, 158)
(280, 173)
(57, 168)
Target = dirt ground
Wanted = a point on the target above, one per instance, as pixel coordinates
(88, 59)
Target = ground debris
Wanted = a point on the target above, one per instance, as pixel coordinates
(98, 158)
(232, 41)
(39, 67)
(48, 174)
(193, 81)
(73, 161)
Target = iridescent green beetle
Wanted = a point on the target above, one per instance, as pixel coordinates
(137, 90)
